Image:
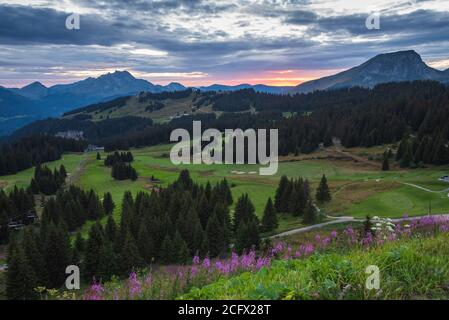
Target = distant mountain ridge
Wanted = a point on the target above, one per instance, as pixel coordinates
(36, 101)
(389, 67)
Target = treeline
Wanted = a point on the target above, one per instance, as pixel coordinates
(111, 159)
(293, 196)
(93, 131)
(46, 181)
(30, 151)
(39, 256)
(168, 225)
(356, 116)
(14, 207)
(74, 206)
(123, 171)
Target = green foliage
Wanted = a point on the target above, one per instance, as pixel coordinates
(323, 194)
(410, 269)
(269, 219)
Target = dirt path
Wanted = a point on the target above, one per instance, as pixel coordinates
(357, 158)
(342, 220)
(425, 189)
(76, 174)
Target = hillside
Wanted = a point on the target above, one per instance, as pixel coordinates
(390, 67)
(160, 107)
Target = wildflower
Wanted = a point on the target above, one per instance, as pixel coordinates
(206, 263)
(134, 285)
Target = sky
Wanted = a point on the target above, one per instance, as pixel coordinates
(196, 42)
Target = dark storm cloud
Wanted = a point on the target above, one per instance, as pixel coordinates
(25, 25)
(159, 7)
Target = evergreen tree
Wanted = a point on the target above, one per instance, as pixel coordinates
(111, 232)
(385, 162)
(98, 156)
(407, 157)
(107, 262)
(269, 219)
(108, 203)
(180, 253)
(57, 255)
(20, 277)
(216, 236)
(310, 214)
(283, 183)
(166, 253)
(94, 247)
(129, 255)
(33, 254)
(323, 193)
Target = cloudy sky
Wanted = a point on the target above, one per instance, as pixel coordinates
(276, 42)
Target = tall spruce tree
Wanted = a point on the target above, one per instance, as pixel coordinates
(20, 277)
(385, 162)
(323, 194)
(310, 214)
(269, 219)
(108, 203)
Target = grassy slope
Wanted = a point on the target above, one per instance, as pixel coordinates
(357, 190)
(416, 269)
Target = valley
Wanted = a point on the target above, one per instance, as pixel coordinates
(358, 189)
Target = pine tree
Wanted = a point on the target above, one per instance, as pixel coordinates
(179, 249)
(385, 162)
(242, 238)
(107, 262)
(31, 247)
(244, 211)
(145, 244)
(98, 156)
(110, 230)
(20, 277)
(269, 219)
(310, 214)
(407, 157)
(323, 193)
(129, 256)
(166, 253)
(216, 236)
(108, 203)
(283, 183)
(57, 255)
(94, 245)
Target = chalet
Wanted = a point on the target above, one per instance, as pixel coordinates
(444, 178)
(30, 217)
(91, 148)
(13, 225)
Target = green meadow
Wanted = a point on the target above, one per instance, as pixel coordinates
(356, 190)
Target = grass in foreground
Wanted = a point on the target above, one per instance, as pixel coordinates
(415, 269)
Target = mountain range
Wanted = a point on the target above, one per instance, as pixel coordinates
(389, 67)
(36, 101)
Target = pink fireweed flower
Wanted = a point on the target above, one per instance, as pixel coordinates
(148, 280)
(95, 292)
(134, 285)
(234, 261)
(262, 262)
(193, 271)
(206, 263)
(196, 259)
